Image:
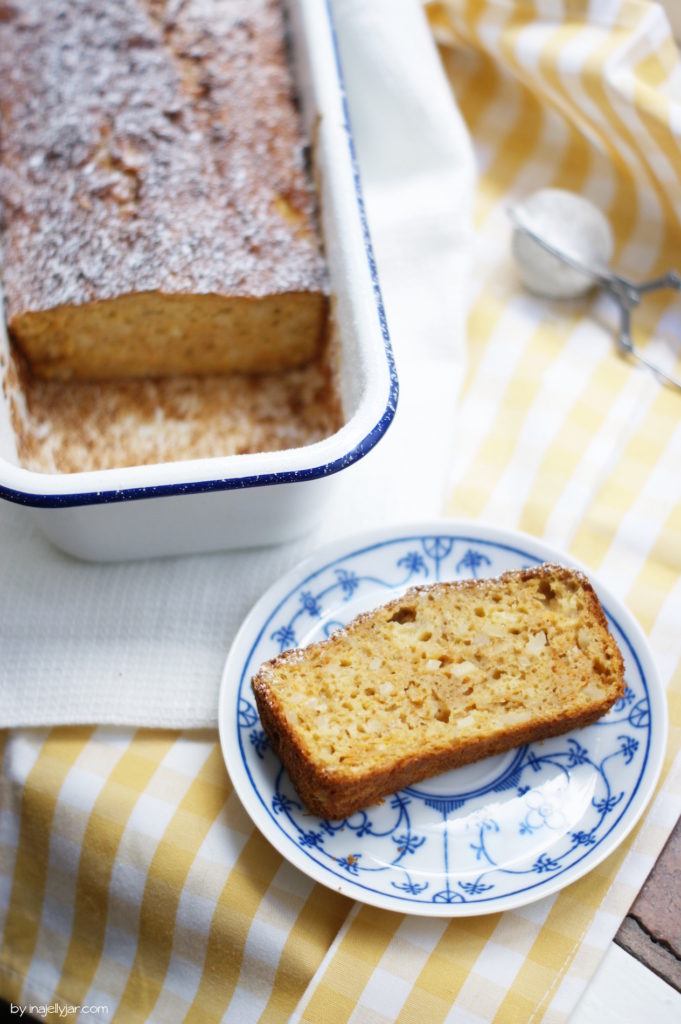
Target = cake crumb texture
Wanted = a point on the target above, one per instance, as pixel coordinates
(445, 675)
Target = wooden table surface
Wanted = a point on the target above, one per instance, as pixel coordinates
(651, 931)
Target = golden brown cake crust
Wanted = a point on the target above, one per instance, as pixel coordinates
(331, 791)
(151, 148)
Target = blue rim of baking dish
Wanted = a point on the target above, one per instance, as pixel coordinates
(361, 449)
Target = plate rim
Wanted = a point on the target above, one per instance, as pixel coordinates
(466, 529)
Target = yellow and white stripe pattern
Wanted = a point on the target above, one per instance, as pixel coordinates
(132, 881)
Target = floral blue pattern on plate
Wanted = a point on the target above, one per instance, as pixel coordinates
(483, 838)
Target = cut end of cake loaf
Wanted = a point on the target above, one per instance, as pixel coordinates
(443, 676)
(153, 335)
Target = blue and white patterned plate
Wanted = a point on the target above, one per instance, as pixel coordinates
(483, 838)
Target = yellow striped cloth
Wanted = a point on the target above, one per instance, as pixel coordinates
(132, 882)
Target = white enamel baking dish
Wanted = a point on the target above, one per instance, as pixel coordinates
(246, 500)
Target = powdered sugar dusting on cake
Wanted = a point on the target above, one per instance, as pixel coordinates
(157, 154)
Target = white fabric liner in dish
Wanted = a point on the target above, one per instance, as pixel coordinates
(144, 643)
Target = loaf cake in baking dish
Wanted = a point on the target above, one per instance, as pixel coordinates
(158, 216)
(443, 676)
